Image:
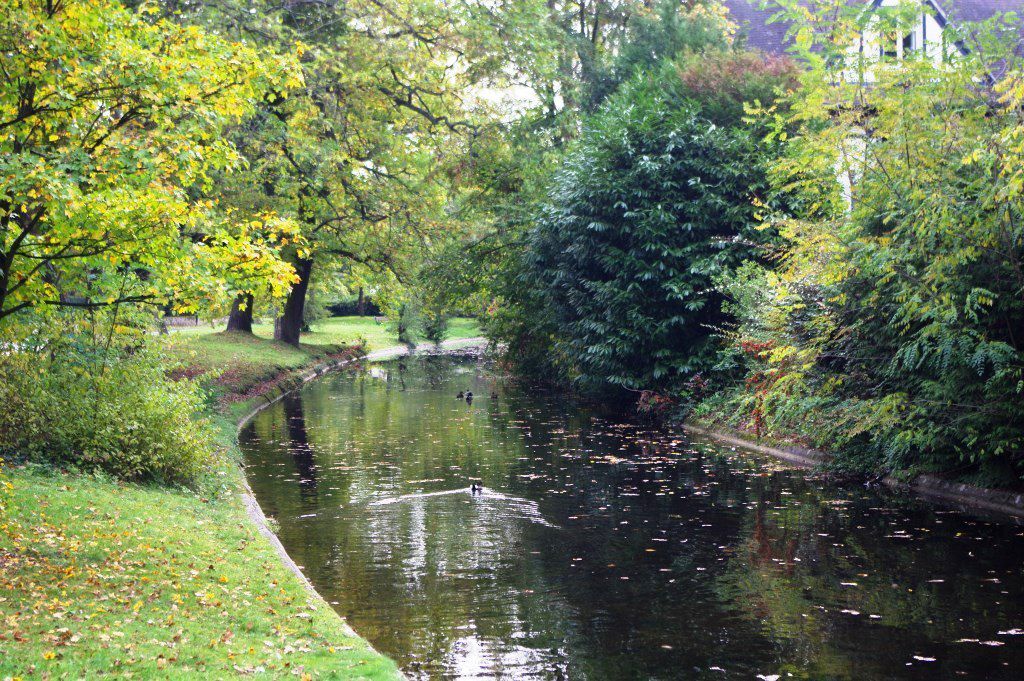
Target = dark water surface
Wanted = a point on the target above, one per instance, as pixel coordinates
(602, 550)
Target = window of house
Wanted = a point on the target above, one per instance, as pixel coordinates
(909, 43)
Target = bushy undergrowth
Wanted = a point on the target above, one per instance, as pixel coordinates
(891, 328)
(120, 415)
(657, 200)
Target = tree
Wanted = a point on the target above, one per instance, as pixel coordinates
(109, 121)
(654, 203)
(590, 50)
(240, 318)
(435, 325)
(357, 157)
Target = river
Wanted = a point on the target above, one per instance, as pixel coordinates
(601, 549)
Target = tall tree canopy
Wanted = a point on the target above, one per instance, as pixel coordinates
(358, 155)
(110, 121)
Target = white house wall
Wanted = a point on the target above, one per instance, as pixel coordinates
(926, 37)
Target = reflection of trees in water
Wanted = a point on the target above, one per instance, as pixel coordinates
(436, 372)
(453, 579)
(850, 588)
(425, 562)
(402, 368)
(299, 446)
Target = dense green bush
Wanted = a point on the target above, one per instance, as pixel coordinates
(893, 332)
(122, 416)
(435, 325)
(405, 321)
(655, 202)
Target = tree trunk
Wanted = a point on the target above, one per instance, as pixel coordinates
(161, 324)
(289, 325)
(361, 305)
(306, 327)
(240, 318)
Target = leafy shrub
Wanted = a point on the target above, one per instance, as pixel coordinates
(435, 325)
(893, 333)
(654, 204)
(122, 416)
(667, 30)
(724, 81)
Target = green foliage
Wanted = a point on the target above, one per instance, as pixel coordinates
(577, 55)
(435, 325)
(365, 156)
(654, 203)
(404, 321)
(892, 332)
(660, 32)
(726, 82)
(112, 124)
(119, 414)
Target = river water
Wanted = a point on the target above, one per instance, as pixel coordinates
(600, 549)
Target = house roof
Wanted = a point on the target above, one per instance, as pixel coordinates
(754, 26)
(768, 37)
(978, 10)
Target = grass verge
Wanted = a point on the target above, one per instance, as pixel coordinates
(99, 577)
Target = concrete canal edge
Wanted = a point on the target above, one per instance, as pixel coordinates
(289, 385)
(930, 487)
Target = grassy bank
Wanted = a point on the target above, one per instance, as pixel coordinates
(99, 577)
(342, 331)
(244, 363)
(103, 577)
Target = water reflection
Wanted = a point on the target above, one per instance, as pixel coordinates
(299, 447)
(601, 550)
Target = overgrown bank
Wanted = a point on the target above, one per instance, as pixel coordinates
(828, 250)
(100, 576)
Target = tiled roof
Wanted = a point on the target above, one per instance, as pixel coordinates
(978, 10)
(754, 27)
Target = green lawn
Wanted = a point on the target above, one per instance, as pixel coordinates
(344, 331)
(245, 362)
(100, 577)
